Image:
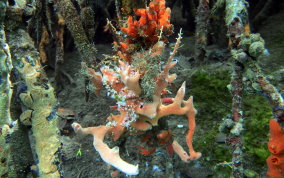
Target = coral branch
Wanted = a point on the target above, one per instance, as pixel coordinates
(130, 78)
(180, 151)
(110, 156)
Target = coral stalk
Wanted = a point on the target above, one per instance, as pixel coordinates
(236, 18)
(201, 35)
(39, 102)
(75, 26)
(274, 97)
(5, 94)
(246, 49)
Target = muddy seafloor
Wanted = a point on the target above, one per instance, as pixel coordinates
(88, 164)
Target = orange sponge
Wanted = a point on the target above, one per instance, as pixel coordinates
(275, 162)
(146, 30)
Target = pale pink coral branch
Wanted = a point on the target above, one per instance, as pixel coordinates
(164, 78)
(110, 156)
(180, 151)
(130, 80)
(149, 109)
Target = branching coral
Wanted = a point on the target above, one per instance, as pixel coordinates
(136, 112)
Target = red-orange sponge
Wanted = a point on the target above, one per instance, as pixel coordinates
(146, 30)
(275, 162)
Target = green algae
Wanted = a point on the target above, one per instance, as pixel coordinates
(257, 116)
(213, 102)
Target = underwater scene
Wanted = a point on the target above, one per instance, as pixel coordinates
(141, 88)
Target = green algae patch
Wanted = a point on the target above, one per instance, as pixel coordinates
(257, 116)
(213, 102)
